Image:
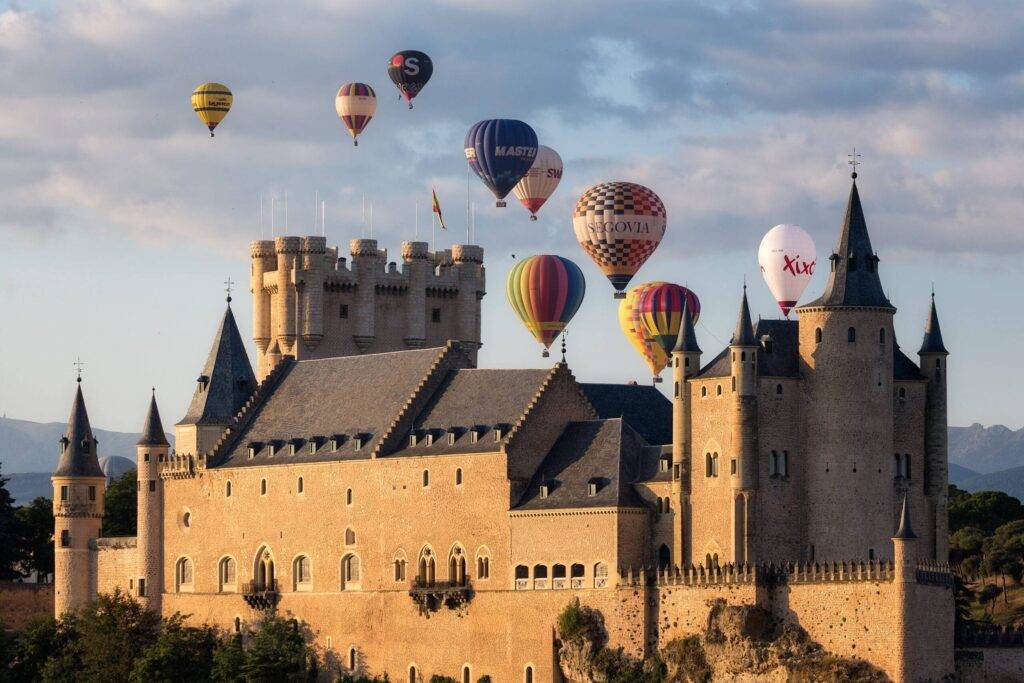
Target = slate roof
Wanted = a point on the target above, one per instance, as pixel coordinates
(784, 358)
(347, 395)
(78, 457)
(905, 530)
(227, 379)
(153, 429)
(902, 367)
(645, 408)
(606, 451)
(743, 335)
(932, 342)
(853, 279)
(686, 341)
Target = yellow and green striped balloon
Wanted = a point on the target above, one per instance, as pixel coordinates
(211, 102)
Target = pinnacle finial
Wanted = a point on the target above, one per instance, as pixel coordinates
(227, 288)
(78, 365)
(565, 333)
(854, 157)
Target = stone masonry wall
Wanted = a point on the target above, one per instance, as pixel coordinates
(21, 602)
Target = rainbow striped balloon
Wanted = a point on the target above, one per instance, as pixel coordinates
(661, 312)
(545, 291)
(356, 103)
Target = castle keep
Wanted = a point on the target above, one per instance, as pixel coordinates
(423, 515)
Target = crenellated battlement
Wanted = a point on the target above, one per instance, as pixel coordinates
(315, 303)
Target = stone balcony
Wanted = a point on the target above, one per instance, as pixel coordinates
(261, 595)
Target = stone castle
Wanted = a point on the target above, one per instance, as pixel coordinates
(423, 515)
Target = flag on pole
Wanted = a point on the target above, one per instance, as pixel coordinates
(437, 209)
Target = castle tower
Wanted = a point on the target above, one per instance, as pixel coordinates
(151, 450)
(78, 487)
(286, 314)
(905, 565)
(365, 264)
(846, 359)
(743, 464)
(933, 355)
(469, 260)
(224, 385)
(685, 363)
(264, 261)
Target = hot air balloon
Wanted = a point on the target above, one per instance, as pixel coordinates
(540, 181)
(633, 327)
(211, 102)
(355, 103)
(545, 291)
(787, 257)
(619, 225)
(500, 152)
(409, 71)
(661, 312)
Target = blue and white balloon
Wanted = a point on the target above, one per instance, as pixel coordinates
(500, 152)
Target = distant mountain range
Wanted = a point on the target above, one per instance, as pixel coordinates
(980, 458)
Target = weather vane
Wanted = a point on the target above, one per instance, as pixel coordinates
(78, 364)
(854, 162)
(227, 287)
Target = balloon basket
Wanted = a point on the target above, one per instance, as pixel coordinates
(619, 295)
(410, 105)
(500, 204)
(532, 217)
(658, 380)
(355, 143)
(545, 354)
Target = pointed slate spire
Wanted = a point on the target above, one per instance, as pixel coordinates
(744, 333)
(853, 279)
(905, 532)
(78, 446)
(686, 340)
(153, 430)
(227, 379)
(932, 342)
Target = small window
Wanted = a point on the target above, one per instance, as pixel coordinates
(703, 392)
(313, 445)
(435, 315)
(676, 390)
(851, 334)
(348, 497)
(343, 311)
(65, 538)
(709, 468)
(238, 625)
(63, 493)
(186, 519)
(902, 392)
(817, 336)
(152, 485)
(714, 464)
(399, 569)
(545, 490)
(528, 676)
(732, 466)
(299, 485)
(142, 588)
(660, 506)
(92, 493)
(263, 487)
(663, 464)
(227, 573)
(871, 554)
(252, 452)
(426, 478)
(227, 489)
(592, 488)
(301, 571)
(352, 659)
(719, 390)
(881, 335)
(451, 438)
(686, 362)
(784, 468)
(458, 477)
(350, 537)
(778, 390)
(522, 571)
(474, 435)
(145, 457)
(466, 675)
(768, 346)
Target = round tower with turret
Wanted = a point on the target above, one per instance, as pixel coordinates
(78, 488)
(416, 265)
(846, 356)
(933, 355)
(152, 450)
(685, 363)
(743, 464)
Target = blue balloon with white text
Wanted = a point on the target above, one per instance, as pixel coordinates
(500, 152)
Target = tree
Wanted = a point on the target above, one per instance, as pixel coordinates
(229, 661)
(119, 506)
(964, 544)
(988, 594)
(985, 510)
(180, 653)
(278, 652)
(36, 520)
(36, 642)
(12, 545)
(112, 630)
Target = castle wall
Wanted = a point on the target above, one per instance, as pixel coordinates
(22, 602)
(710, 522)
(780, 499)
(908, 439)
(113, 563)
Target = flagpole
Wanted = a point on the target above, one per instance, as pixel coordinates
(417, 219)
(432, 231)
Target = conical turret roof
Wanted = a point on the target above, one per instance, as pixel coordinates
(78, 456)
(153, 429)
(743, 335)
(905, 532)
(932, 342)
(227, 379)
(853, 279)
(686, 341)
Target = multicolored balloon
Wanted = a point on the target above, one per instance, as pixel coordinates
(635, 331)
(409, 71)
(661, 312)
(500, 152)
(619, 225)
(787, 258)
(356, 103)
(540, 181)
(545, 291)
(211, 102)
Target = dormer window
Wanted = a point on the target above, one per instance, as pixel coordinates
(592, 487)
(336, 442)
(293, 448)
(500, 432)
(545, 489)
(413, 438)
(663, 464)
(766, 343)
(851, 263)
(254, 448)
(204, 381)
(474, 434)
(314, 444)
(85, 445)
(360, 440)
(451, 437)
(430, 437)
(272, 449)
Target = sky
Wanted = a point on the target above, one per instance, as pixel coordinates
(121, 219)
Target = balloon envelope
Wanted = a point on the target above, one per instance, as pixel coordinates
(211, 103)
(787, 258)
(410, 70)
(661, 312)
(356, 104)
(540, 181)
(545, 291)
(619, 225)
(500, 152)
(633, 327)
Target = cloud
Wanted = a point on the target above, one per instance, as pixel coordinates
(738, 113)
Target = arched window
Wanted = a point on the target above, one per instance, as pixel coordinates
(226, 574)
(709, 468)
(466, 675)
(902, 392)
(350, 536)
(483, 564)
(703, 392)
(183, 576)
(522, 576)
(576, 572)
(400, 566)
(851, 334)
(718, 390)
(348, 497)
(600, 575)
(817, 336)
(558, 576)
(426, 477)
(457, 567)
(263, 571)
(352, 659)
(458, 476)
(186, 519)
(528, 675)
(778, 389)
(668, 506)
(426, 568)
(227, 489)
(540, 571)
(349, 572)
(299, 485)
(881, 335)
(714, 464)
(302, 577)
(413, 677)
(238, 624)
(664, 557)
(660, 509)
(263, 487)
(707, 562)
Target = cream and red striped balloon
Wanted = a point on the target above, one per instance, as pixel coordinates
(356, 103)
(540, 181)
